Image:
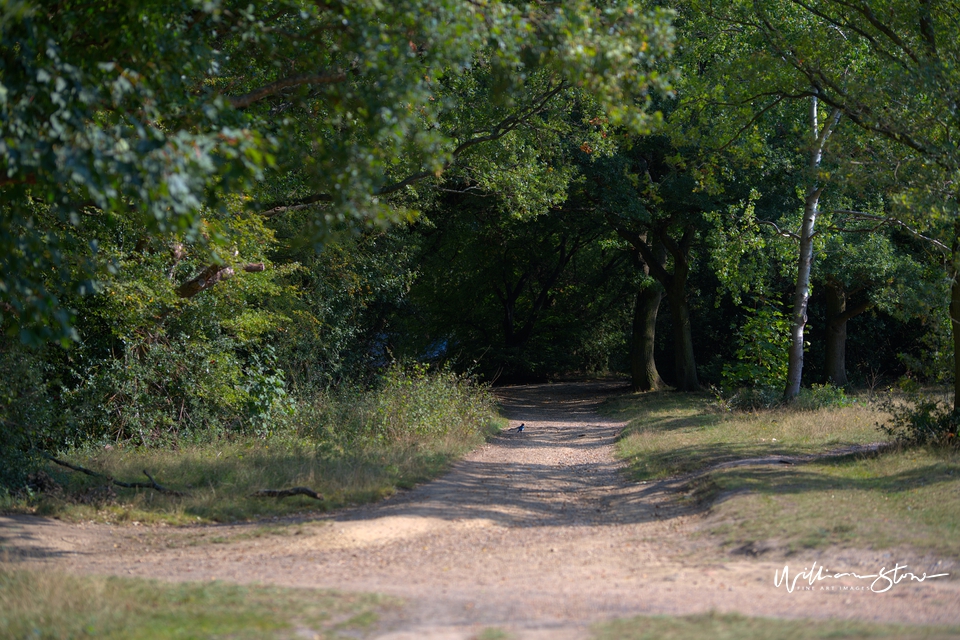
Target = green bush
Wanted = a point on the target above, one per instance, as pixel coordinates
(29, 419)
(921, 421)
(821, 396)
(175, 389)
(759, 375)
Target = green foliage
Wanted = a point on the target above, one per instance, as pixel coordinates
(821, 396)
(761, 364)
(921, 420)
(157, 367)
(930, 358)
(162, 113)
(406, 405)
(29, 420)
(343, 306)
(514, 293)
(744, 257)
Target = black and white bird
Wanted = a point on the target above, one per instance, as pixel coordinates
(519, 429)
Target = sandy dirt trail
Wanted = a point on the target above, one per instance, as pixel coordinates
(537, 533)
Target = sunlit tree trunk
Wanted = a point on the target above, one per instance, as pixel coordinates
(811, 208)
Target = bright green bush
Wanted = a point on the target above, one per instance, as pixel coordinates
(757, 379)
(762, 351)
(821, 396)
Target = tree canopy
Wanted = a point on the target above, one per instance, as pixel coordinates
(216, 212)
(176, 113)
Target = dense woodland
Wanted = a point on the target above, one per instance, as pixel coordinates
(214, 213)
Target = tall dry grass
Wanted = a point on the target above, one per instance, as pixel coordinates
(351, 446)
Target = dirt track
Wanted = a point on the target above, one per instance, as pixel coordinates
(536, 533)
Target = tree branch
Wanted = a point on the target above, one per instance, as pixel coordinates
(247, 99)
(211, 276)
(846, 24)
(496, 132)
(284, 493)
(153, 484)
(852, 312)
(751, 122)
(780, 232)
(860, 215)
(30, 179)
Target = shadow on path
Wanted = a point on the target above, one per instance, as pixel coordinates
(560, 471)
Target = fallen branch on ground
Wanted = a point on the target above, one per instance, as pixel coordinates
(153, 484)
(283, 493)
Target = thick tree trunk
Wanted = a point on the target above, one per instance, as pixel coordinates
(654, 256)
(643, 367)
(686, 364)
(836, 346)
(839, 313)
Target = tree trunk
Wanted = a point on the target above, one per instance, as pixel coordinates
(955, 315)
(654, 256)
(686, 364)
(801, 295)
(839, 313)
(643, 367)
(836, 346)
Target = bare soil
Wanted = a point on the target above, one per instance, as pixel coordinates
(537, 533)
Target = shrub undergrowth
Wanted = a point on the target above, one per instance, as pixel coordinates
(920, 421)
(350, 445)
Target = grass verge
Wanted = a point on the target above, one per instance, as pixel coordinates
(903, 497)
(737, 627)
(41, 604)
(673, 433)
(354, 447)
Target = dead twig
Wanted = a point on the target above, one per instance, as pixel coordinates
(283, 493)
(153, 484)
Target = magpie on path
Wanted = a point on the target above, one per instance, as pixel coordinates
(518, 429)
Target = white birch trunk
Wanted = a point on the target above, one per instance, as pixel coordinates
(811, 207)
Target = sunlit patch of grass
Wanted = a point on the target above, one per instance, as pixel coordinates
(901, 497)
(738, 627)
(218, 480)
(909, 498)
(670, 433)
(40, 604)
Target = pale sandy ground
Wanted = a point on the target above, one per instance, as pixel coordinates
(536, 533)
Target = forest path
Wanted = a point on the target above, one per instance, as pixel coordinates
(536, 533)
